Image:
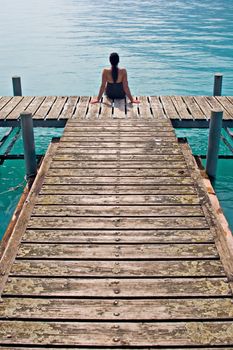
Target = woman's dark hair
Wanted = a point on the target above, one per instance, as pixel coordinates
(114, 60)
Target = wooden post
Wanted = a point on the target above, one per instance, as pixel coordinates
(17, 89)
(213, 143)
(29, 146)
(217, 84)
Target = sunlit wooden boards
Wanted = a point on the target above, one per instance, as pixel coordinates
(118, 252)
(54, 108)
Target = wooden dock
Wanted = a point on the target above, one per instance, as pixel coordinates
(118, 245)
(183, 111)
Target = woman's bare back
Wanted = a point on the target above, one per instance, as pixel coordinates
(120, 78)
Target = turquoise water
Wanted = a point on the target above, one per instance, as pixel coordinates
(59, 47)
(12, 173)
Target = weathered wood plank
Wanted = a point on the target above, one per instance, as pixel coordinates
(9, 105)
(193, 107)
(119, 109)
(58, 235)
(181, 107)
(147, 310)
(203, 105)
(23, 104)
(69, 108)
(92, 113)
(115, 157)
(144, 108)
(76, 164)
(227, 105)
(131, 251)
(81, 108)
(124, 122)
(144, 288)
(121, 334)
(157, 109)
(121, 172)
(3, 101)
(142, 135)
(35, 104)
(216, 105)
(57, 107)
(98, 268)
(45, 107)
(114, 210)
(118, 223)
(169, 108)
(103, 180)
(119, 145)
(132, 113)
(172, 149)
(116, 199)
(117, 189)
(106, 109)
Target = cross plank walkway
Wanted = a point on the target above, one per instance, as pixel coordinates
(56, 110)
(120, 247)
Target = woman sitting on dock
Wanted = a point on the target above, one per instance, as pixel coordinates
(114, 82)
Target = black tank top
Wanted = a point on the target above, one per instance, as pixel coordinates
(115, 90)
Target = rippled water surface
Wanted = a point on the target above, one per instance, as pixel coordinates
(59, 47)
(169, 47)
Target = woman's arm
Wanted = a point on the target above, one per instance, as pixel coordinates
(127, 89)
(102, 87)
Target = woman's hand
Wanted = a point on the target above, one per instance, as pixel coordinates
(94, 100)
(135, 101)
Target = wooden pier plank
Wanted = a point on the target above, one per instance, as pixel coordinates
(157, 109)
(106, 109)
(122, 173)
(181, 107)
(119, 268)
(118, 189)
(21, 107)
(45, 107)
(110, 310)
(116, 287)
(104, 180)
(132, 113)
(81, 108)
(216, 105)
(69, 108)
(9, 106)
(204, 106)
(193, 107)
(57, 108)
(107, 334)
(131, 235)
(119, 109)
(92, 113)
(113, 199)
(113, 158)
(3, 101)
(35, 104)
(118, 223)
(226, 103)
(129, 252)
(113, 210)
(113, 165)
(169, 107)
(144, 108)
